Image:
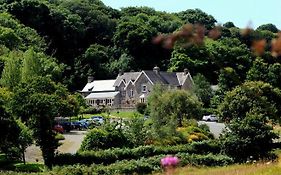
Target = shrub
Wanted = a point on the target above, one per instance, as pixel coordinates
(95, 139)
(112, 155)
(143, 165)
(141, 107)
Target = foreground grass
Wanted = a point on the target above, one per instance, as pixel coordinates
(243, 169)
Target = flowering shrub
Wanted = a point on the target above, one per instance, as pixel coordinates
(169, 161)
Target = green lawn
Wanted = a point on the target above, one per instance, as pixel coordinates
(125, 114)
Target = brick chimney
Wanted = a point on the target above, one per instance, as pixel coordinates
(186, 71)
(156, 69)
(90, 79)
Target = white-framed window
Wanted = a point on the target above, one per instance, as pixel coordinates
(131, 93)
(142, 100)
(143, 88)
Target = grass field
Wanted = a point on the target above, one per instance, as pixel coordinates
(243, 169)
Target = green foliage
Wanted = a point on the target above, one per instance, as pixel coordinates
(197, 17)
(144, 165)
(228, 79)
(38, 102)
(202, 89)
(31, 66)
(141, 107)
(257, 97)
(270, 27)
(118, 154)
(25, 138)
(11, 75)
(168, 108)
(108, 137)
(248, 139)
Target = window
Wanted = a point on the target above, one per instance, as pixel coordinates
(132, 93)
(142, 100)
(143, 88)
(123, 93)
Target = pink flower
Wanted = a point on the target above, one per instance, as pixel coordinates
(169, 161)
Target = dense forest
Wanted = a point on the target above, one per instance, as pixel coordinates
(77, 38)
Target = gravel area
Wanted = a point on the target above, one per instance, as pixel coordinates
(71, 144)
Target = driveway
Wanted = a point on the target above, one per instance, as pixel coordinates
(70, 144)
(215, 128)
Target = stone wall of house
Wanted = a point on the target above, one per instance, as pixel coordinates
(187, 85)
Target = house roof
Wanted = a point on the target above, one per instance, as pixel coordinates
(99, 85)
(126, 77)
(169, 78)
(101, 95)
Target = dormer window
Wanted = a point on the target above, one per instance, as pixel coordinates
(132, 93)
(144, 88)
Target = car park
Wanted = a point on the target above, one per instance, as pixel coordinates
(210, 118)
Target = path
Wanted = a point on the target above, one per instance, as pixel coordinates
(70, 144)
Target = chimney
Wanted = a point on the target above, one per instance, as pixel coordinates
(156, 69)
(186, 71)
(121, 72)
(90, 79)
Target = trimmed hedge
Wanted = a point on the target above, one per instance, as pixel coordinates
(142, 165)
(112, 155)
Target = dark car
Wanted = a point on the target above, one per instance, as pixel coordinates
(66, 126)
(76, 125)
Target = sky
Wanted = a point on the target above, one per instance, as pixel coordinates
(242, 13)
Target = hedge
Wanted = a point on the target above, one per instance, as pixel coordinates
(142, 165)
(112, 155)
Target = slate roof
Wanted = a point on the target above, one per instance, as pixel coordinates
(169, 78)
(126, 77)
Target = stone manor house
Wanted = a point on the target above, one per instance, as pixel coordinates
(130, 88)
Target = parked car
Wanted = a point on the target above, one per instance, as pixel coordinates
(98, 119)
(66, 126)
(58, 128)
(85, 123)
(76, 125)
(210, 118)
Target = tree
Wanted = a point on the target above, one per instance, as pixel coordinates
(39, 101)
(24, 139)
(248, 139)
(197, 16)
(229, 25)
(258, 97)
(228, 79)
(270, 27)
(202, 89)
(11, 75)
(31, 66)
(169, 107)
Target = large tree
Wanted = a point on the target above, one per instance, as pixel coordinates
(258, 97)
(169, 107)
(39, 101)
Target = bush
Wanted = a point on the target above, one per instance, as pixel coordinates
(143, 165)
(101, 138)
(112, 155)
(248, 139)
(141, 107)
